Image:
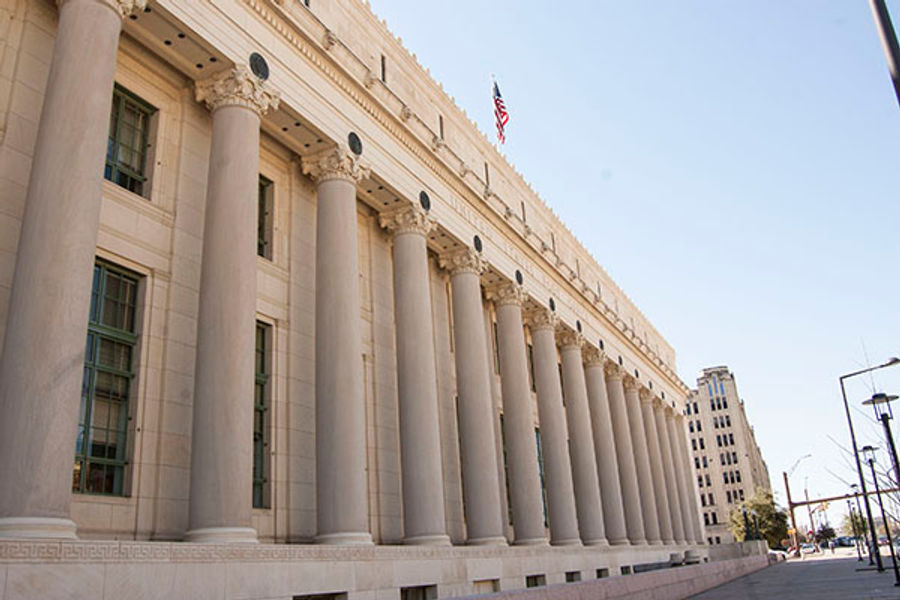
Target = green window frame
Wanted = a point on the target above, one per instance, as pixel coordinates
(126, 148)
(261, 416)
(101, 447)
(264, 216)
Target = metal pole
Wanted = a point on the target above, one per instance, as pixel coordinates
(885, 417)
(862, 480)
(787, 489)
(853, 528)
(887, 528)
(812, 524)
(888, 41)
(862, 528)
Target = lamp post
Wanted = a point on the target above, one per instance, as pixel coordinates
(853, 528)
(882, 405)
(862, 480)
(862, 526)
(746, 525)
(869, 451)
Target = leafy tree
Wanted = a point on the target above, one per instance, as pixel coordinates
(825, 533)
(861, 523)
(773, 521)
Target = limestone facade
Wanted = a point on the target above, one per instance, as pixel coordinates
(323, 308)
(728, 464)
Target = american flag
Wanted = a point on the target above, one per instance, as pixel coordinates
(500, 114)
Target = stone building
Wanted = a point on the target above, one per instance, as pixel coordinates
(727, 461)
(334, 342)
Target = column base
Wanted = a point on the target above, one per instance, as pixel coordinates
(619, 542)
(222, 535)
(37, 527)
(541, 541)
(428, 540)
(566, 542)
(641, 542)
(655, 542)
(681, 542)
(363, 538)
(487, 541)
(668, 542)
(598, 543)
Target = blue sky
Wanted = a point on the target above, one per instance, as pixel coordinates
(733, 165)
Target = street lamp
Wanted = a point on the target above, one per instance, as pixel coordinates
(869, 452)
(853, 528)
(862, 527)
(882, 404)
(862, 480)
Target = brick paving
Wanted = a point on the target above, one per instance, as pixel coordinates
(826, 577)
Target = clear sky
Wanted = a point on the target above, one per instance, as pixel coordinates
(733, 165)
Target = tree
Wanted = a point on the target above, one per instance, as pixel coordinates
(773, 521)
(825, 533)
(859, 521)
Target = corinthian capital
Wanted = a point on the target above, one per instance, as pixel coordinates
(334, 163)
(629, 382)
(645, 395)
(122, 7)
(409, 219)
(592, 357)
(541, 318)
(612, 370)
(504, 294)
(237, 86)
(569, 339)
(465, 260)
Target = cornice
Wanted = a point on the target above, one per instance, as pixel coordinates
(408, 219)
(465, 260)
(506, 294)
(334, 163)
(237, 87)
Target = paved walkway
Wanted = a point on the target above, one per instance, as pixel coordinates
(828, 577)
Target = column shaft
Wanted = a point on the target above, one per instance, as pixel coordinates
(642, 461)
(521, 450)
(581, 442)
(341, 492)
(605, 452)
(554, 437)
(420, 436)
(690, 499)
(46, 322)
(665, 445)
(631, 495)
(477, 444)
(656, 470)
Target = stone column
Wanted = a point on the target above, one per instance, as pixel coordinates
(664, 517)
(521, 450)
(477, 445)
(46, 324)
(581, 442)
(665, 445)
(342, 505)
(420, 436)
(222, 431)
(604, 448)
(625, 459)
(642, 460)
(554, 437)
(688, 491)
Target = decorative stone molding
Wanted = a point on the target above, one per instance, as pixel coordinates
(541, 318)
(463, 261)
(612, 370)
(569, 339)
(437, 143)
(237, 86)
(123, 8)
(463, 169)
(406, 113)
(645, 395)
(629, 382)
(506, 294)
(329, 39)
(593, 357)
(369, 79)
(408, 219)
(334, 163)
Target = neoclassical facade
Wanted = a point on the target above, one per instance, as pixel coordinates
(325, 321)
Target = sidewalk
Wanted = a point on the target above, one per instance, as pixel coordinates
(822, 577)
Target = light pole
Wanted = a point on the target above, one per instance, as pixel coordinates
(862, 526)
(888, 41)
(869, 451)
(862, 480)
(882, 405)
(853, 528)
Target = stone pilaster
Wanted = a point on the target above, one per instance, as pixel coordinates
(420, 447)
(521, 450)
(642, 460)
(665, 445)
(477, 444)
(625, 457)
(46, 322)
(342, 507)
(604, 447)
(554, 435)
(664, 515)
(222, 433)
(581, 441)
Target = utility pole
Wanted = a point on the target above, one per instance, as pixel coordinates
(888, 41)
